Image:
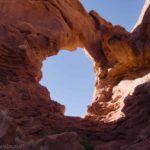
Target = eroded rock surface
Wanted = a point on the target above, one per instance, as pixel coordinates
(127, 57)
(118, 118)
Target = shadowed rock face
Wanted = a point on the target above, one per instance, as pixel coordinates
(32, 30)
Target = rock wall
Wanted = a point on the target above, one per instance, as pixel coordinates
(31, 31)
(127, 57)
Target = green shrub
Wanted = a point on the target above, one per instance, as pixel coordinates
(42, 134)
(85, 143)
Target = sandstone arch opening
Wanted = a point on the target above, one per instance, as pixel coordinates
(69, 77)
(39, 29)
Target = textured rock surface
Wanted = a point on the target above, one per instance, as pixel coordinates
(118, 118)
(128, 59)
(7, 129)
(63, 141)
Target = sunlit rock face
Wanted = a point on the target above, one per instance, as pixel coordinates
(31, 31)
(127, 57)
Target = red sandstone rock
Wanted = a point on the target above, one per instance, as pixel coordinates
(31, 30)
(128, 59)
(62, 141)
(7, 129)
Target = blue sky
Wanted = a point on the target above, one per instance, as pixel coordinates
(69, 76)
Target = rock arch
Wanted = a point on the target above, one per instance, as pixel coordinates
(31, 30)
(39, 29)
